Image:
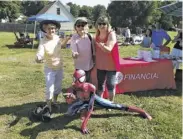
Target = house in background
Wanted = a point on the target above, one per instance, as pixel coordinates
(56, 7)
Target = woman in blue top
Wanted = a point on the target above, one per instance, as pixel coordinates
(158, 35)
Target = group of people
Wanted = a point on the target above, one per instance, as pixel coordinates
(88, 51)
(155, 35)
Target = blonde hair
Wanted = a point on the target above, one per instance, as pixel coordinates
(102, 19)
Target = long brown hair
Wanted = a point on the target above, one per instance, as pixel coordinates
(102, 19)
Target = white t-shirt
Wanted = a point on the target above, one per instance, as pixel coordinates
(127, 33)
(50, 50)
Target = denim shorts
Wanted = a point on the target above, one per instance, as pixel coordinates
(109, 76)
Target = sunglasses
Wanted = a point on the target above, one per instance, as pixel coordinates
(82, 25)
(102, 24)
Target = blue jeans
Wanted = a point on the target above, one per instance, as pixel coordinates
(109, 76)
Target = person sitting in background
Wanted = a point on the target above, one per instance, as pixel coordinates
(146, 42)
(158, 35)
(127, 35)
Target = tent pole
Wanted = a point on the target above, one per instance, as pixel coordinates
(34, 34)
(25, 31)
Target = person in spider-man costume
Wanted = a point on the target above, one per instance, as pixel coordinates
(82, 97)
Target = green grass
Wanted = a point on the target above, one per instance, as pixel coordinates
(22, 87)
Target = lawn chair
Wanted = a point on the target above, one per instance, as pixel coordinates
(22, 41)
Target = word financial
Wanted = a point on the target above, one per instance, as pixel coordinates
(145, 76)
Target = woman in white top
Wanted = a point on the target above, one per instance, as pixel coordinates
(82, 47)
(50, 50)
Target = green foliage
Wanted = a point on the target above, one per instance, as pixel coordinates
(30, 8)
(91, 13)
(98, 10)
(74, 9)
(9, 9)
(166, 21)
(156, 14)
(130, 13)
(85, 11)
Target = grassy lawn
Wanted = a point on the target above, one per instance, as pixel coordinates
(22, 88)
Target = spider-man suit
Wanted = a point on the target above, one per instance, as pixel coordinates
(81, 95)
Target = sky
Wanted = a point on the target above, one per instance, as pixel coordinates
(87, 2)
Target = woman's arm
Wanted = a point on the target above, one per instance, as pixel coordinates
(64, 41)
(74, 47)
(70, 97)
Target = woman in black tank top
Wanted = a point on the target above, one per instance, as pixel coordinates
(177, 49)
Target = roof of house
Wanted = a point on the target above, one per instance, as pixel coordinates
(50, 4)
(46, 8)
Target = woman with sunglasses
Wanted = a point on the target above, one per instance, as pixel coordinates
(107, 56)
(82, 47)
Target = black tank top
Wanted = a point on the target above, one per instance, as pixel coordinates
(177, 45)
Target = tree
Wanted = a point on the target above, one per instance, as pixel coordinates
(167, 21)
(74, 9)
(130, 13)
(32, 7)
(10, 10)
(85, 11)
(98, 10)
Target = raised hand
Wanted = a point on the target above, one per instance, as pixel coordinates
(75, 55)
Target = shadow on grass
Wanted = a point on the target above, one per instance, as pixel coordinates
(57, 123)
(60, 122)
(29, 46)
(23, 110)
(159, 92)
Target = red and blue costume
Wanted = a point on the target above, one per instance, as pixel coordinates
(82, 97)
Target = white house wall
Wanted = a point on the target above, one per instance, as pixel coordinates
(64, 25)
(67, 26)
(53, 10)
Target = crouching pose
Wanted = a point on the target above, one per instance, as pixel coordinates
(81, 95)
